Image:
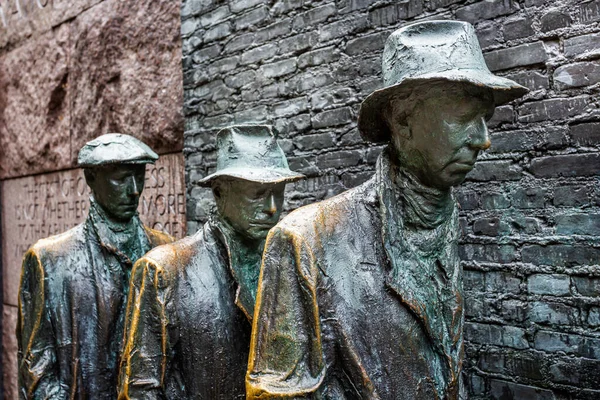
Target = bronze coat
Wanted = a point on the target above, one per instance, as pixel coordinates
(185, 336)
(70, 323)
(344, 312)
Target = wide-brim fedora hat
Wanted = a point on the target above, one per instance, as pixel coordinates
(251, 152)
(445, 51)
(115, 148)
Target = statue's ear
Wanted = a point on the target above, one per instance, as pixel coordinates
(90, 175)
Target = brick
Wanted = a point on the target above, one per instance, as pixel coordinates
(578, 224)
(316, 142)
(553, 313)
(273, 31)
(474, 280)
(488, 253)
(488, 34)
(338, 159)
(594, 316)
(283, 6)
(223, 65)
(241, 5)
(514, 310)
(532, 80)
(192, 7)
(189, 26)
(206, 54)
(467, 200)
(551, 284)
(582, 44)
(502, 170)
(290, 107)
(528, 365)
(341, 28)
(587, 134)
(566, 165)
(494, 201)
(560, 255)
(338, 116)
(486, 9)
(502, 115)
(577, 75)
(476, 307)
(517, 29)
(277, 69)
(257, 54)
(554, 19)
(217, 32)
(587, 286)
(240, 42)
(314, 16)
(214, 17)
(366, 44)
(566, 372)
(571, 196)
(518, 56)
(529, 197)
(297, 43)
(503, 390)
(383, 16)
(331, 97)
(240, 79)
(487, 226)
(507, 336)
(525, 225)
(569, 343)
(325, 55)
(589, 11)
(435, 4)
(501, 282)
(251, 18)
(493, 361)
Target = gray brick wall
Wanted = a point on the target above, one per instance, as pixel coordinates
(530, 209)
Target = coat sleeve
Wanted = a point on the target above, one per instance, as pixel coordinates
(286, 358)
(39, 375)
(147, 348)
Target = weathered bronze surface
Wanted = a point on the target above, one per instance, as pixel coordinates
(74, 285)
(191, 302)
(360, 296)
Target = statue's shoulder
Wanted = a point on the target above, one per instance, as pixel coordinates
(320, 217)
(157, 237)
(171, 256)
(61, 245)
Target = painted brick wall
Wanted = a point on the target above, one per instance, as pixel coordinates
(531, 207)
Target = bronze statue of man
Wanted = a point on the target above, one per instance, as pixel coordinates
(361, 295)
(74, 285)
(188, 327)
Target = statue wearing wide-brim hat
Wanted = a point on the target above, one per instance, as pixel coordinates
(202, 289)
(361, 295)
(424, 52)
(251, 152)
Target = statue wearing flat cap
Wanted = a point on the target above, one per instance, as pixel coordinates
(191, 303)
(74, 285)
(361, 295)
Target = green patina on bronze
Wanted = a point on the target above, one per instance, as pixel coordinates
(361, 295)
(191, 302)
(74, 285)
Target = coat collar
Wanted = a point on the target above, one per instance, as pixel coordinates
(424, 271)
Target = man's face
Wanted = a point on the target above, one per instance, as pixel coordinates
(251, 208)
(447, 131)
(117, 188)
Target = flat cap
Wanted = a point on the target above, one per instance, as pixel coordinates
(115, 148)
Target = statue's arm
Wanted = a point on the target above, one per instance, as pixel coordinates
(146, 343)
(286, 359)
(39, 375)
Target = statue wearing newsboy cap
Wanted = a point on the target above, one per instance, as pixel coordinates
(74, 285)
(360, 295)
(191, 302)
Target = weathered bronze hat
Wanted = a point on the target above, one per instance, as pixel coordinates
(251, 152)
(426, 51)
(115, 148)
